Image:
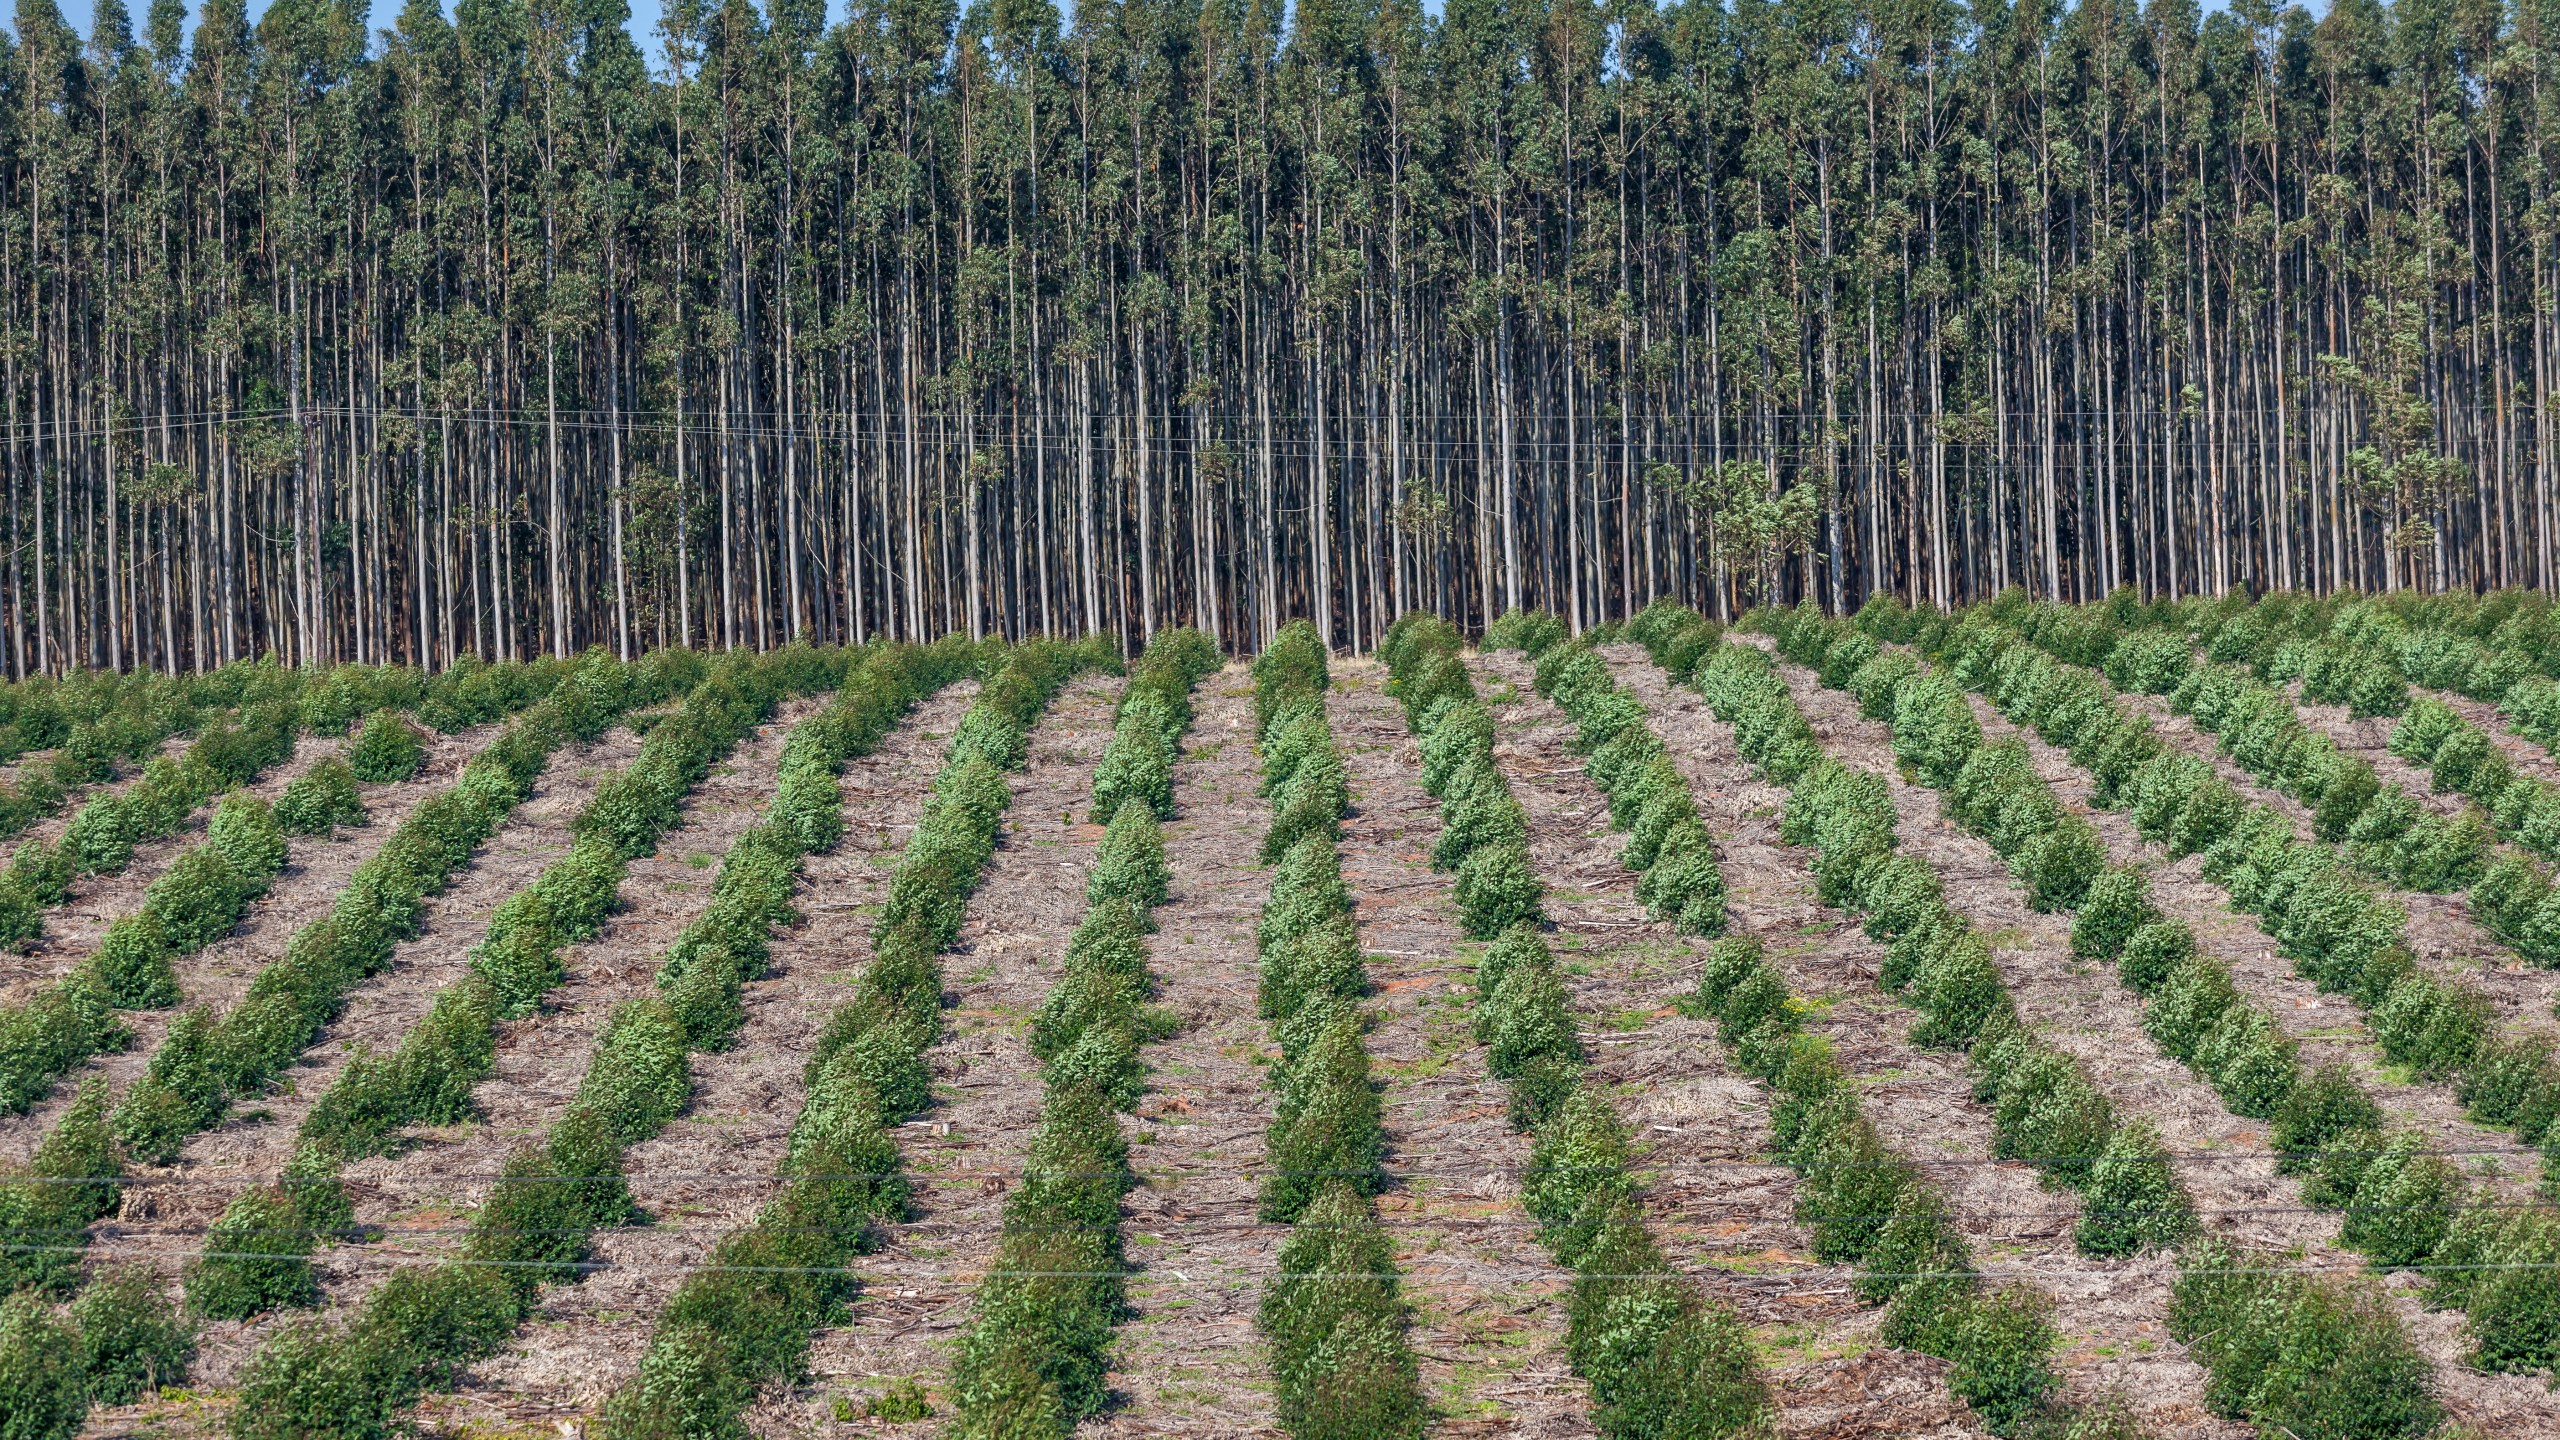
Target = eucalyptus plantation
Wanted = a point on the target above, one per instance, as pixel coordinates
(506, 331)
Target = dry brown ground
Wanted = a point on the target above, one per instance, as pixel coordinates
(166, 1213)
(709, 1172)
(2443, 932)
(2242, 1195)
(423, 1198)
(73, 928)
(2529, 757)
(1721, 1206)
(51, 828)
(1189, 1362)
(315, 869)
(1489, 1303)
(964, 1151)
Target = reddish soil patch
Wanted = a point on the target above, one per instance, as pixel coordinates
(710, 1171)
(1489, 1303)
(315, 869)
(165, 1222)
(1191, 1363)
(1716, 1200)
(964, 1152)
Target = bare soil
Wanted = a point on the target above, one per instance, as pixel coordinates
(166, 1212)
(1190, 1362)
(2527, 756)
(963, 1153)
(1488, 1301)
(1717, 1201)
(2328, 1027)
(315, 869)
(423, 1198)
(2443, 932)
(73, 928)
(709, 1172)
(2237, 1190)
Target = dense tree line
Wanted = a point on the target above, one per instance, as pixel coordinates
(498, 332)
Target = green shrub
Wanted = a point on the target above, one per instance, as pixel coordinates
(1933, 728)
(1661, 1362)
(2001, 1356)
(2049, 1115)
(198, 899)
(1957, 988)
(1684, 884)
(2153, 952)
(132, 1341)
(2131, 1200)
(1336, 1327)
(387, 750)
(1136, 766)
(2514, 1309)
(257, 1258)
(1130, 863)
(2403, 1204)
(1533, 631)
(2188, 1005)
(2117, 904)
(1326, 1126)
(2323, 1106)
(2511, 1081)
(2432, 1027)
(1577, 1174)
(2060, 865)
(2297, 1355)
(2250, 1060)
(1497, 889)
(638, 1078)
(39, 1373)
(70, 1182)
(321, 799)
(1527, 1018)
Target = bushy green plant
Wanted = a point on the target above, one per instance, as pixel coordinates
(387, 750)
(2131, 1200)
(1497, 889)
(1335, 1325)
(2296, 1354)
(321, 799)
(2117, 903)
(132, 1341)
(39, 1373)
(2049, 1115)
(257, 1258)
(1533, 631)
(2001, 1348)
(1130, 864)
(1326, 1126)
(1577, 1174)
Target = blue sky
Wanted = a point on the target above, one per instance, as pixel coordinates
(644, 15)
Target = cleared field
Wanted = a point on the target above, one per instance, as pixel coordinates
(2042, 1022)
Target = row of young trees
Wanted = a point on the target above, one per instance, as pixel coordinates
(498, 332)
